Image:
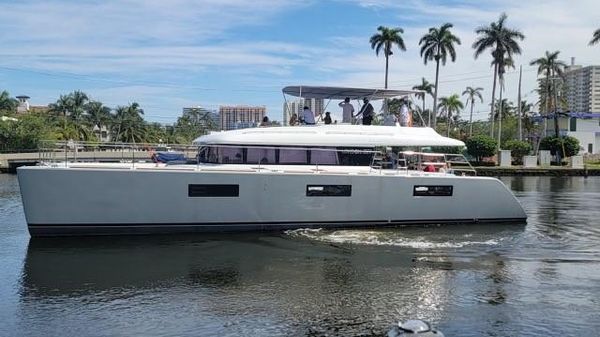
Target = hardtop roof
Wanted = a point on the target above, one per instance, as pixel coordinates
(305, 91)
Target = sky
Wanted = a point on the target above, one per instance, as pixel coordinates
(166, 55)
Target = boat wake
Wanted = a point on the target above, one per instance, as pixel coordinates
(389, 238)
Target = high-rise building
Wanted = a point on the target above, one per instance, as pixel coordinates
(316, 105)
(241, 116)
(583, 88)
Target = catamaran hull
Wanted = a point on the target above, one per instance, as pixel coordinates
(73, 201)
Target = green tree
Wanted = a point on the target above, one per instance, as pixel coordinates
(518, 149)
(97, 115)
(472, 94)
(129, 125)
(24, 133)
(451, 106)
(596, 37)
(551, 67)
(385, 41)
(565, 146)
(194, 123)
(7, 103)
(481, 146)
(503, 41)
(426, 88)
(436, 45)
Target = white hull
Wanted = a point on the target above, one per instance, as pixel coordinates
(111, 200)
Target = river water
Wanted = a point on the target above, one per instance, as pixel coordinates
(538, 279)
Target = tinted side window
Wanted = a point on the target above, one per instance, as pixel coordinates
(213, 190)
(432, 191)
(328, 190)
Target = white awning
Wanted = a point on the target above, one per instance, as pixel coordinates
(341, 92)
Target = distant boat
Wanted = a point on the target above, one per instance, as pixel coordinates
(270, 179)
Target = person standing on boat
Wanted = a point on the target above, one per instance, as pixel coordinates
(308, 117)
(404, 113)
(347, 110)
(367, 112)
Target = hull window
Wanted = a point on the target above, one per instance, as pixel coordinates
(328, 190)
(432, 191)
(213, 190)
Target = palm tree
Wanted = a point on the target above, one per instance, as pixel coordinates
(7, 103)
(501, 40)
(426, 88)
(551, 66)
(501, 63)
(129, 124)
(596, 37)
(472, 93)
(436, 45)
(98, 115)
(386, 39)
(78, 101)
(451, 106)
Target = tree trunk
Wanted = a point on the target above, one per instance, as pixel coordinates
(547, 100)
(429, 116)
(386, 69)
(519, 105)
(435, 93)
(471, 119)
(493, 99)
(500, 116)
(448, 122)
(556, 131)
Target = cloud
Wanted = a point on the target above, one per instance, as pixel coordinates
(165, 54)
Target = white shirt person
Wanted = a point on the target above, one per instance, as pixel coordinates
(347, 110)
(308, 117)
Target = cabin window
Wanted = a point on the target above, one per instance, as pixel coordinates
(213, 190)
(432, 190)
(321, 157)
(355, 157)
(262, 156)
(231, 155)
(328, 190)
(293, 156)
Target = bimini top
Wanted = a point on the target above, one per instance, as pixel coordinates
(341, 93)
(329, 135)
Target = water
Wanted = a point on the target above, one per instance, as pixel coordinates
(539, 279)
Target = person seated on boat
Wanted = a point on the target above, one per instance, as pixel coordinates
(429, 168)
(367, 112)
(293, 120)
(327, 118)
(390, 119)
(404, 114)
(347, 110)
(308, 117)
(265, 122)
(443, 169)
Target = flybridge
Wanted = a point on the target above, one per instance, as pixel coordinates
(330, 135)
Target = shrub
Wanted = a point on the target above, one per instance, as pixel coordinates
(481, 146)
(518, 149)
(565, 146)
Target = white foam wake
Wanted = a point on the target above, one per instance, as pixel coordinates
(383, 238)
